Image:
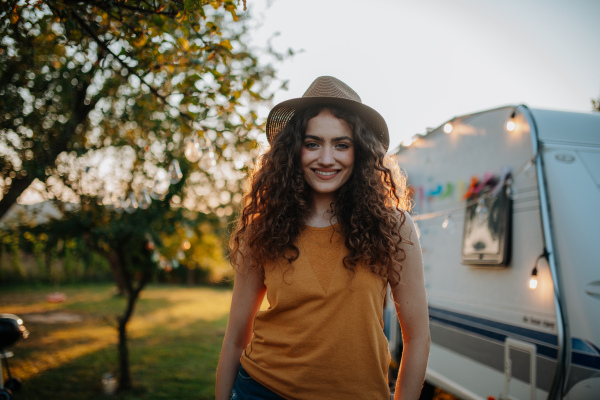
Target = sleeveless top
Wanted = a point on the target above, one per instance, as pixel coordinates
(322, 335)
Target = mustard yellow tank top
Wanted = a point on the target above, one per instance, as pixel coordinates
(322, 335)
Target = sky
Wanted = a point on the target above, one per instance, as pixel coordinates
(420, 63)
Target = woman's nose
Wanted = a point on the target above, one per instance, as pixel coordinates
(326, 157)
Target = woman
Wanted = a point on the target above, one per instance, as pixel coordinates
(323, 231)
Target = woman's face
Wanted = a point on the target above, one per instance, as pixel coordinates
(327, 153)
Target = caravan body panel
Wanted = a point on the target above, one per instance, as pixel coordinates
(474, 308)
(570, 155)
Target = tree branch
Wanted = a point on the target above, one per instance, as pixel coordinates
(130, 70)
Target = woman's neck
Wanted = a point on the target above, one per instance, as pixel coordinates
(322, 213)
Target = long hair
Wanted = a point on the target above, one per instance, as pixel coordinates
(369, 206)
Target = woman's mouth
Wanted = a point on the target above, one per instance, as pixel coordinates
(325, 174)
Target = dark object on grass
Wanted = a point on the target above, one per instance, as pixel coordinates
(11, 330)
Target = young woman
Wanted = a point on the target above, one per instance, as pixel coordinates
(323, 231)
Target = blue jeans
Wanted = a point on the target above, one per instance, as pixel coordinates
(246, 388)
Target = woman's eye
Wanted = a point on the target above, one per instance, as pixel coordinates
(311, 145)
(342, 146)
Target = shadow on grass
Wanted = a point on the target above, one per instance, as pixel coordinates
(178, 364)
(175, 340)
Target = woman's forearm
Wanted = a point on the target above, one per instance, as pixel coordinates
(227, 370)
(412, 369)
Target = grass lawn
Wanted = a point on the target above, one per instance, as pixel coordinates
(175, 339)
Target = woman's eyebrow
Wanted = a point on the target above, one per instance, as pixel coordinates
(313, 138)
(320, 139)
(338, 139)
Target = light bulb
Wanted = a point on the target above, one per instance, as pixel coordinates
(511, 126)
(533, 282)
(448, 127)
(448, 224)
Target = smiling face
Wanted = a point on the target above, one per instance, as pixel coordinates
(327, 153)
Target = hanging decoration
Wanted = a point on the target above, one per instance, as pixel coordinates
(131, 203)
(157, 193)
(175, 173)
(145, 200)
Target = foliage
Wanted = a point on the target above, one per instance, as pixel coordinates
(196, 246)
(101, 100)
(101, 96)
(596, 105)
(31, 258)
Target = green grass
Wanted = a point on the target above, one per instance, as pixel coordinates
(175, 339)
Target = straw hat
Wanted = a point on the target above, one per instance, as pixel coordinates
(327, 90)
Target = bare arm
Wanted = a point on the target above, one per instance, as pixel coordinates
(248, 293)
(411, 305)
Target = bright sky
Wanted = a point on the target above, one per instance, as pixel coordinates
(422, 62)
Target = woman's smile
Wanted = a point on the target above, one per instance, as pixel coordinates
(325, 174)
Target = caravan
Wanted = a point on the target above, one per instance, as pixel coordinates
(507, 207)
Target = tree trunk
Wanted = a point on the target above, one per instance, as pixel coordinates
(117, 272)
(133, 294)
(191, 276)
(125, 382)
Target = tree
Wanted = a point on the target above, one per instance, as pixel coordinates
(136, 77)
(596, 105)
(133, 244)
(125, 109)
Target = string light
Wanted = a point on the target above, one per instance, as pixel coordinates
(511, 125)
(448, 224)
(533, 281)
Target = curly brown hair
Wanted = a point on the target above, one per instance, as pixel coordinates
(369, 206)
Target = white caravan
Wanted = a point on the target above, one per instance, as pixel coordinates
(507, 206)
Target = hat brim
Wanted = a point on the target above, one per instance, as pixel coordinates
(283, 113)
